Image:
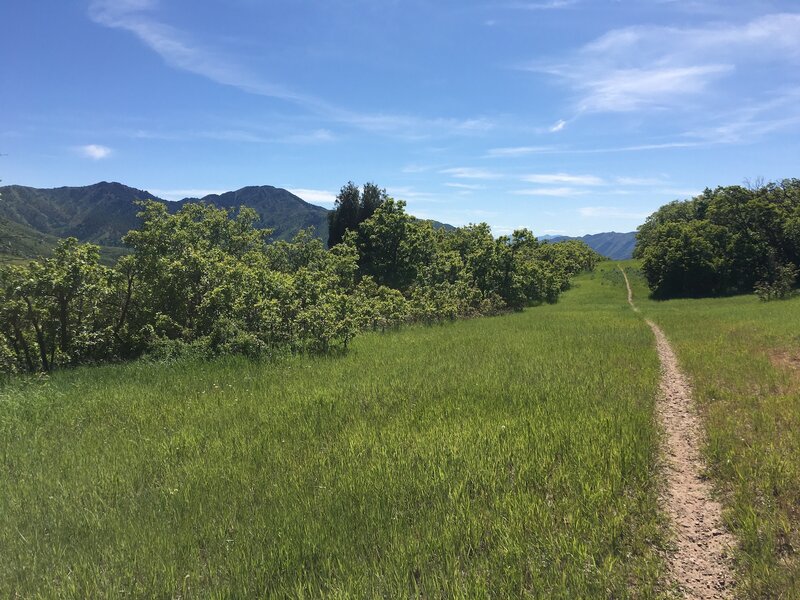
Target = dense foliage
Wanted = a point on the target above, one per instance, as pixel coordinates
(206, 280)
(731, 239)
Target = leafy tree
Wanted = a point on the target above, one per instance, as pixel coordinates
(394, 246)
(59, 311)
(686, 259)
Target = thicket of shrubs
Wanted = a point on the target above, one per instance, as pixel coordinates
(728, 240)
(207, 281)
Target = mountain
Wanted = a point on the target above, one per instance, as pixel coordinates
(32, 219)
(617, 246)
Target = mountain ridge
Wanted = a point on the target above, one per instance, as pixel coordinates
(613, 244)
(33, 219)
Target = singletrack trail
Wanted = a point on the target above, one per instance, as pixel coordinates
(700, 564)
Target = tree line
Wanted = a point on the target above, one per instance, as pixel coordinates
(207, 281)
(732, 239)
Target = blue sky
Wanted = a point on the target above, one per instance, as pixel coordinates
(563, 116)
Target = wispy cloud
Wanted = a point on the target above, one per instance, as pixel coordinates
(652, 67)
(548, 178)
(549, 5)
(180, 51)
(464, 186)
(94, 151)
(626, 90)
(410, 193)
(516, 151)
(558, 126)
(557, 192)
(639, 147)
(471, 173)
(254, 135)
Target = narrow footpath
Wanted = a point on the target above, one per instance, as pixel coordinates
(700, 564)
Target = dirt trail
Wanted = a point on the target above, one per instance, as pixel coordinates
(700, 564)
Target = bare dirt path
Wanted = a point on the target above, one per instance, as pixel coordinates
(700, 564)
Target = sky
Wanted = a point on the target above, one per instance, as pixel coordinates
(562, 116)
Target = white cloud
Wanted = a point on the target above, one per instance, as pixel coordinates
(559, 192)
(314, 196)
(470, 173)
(95, 151)
(548, 178)
(558, 126)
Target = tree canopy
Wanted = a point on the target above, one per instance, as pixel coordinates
(731, 239)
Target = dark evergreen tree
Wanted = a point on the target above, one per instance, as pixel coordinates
(352, 208)
(345, 215)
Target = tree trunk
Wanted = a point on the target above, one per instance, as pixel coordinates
(39, 336)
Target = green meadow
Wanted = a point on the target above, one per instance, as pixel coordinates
(512, 456)
(743, 357)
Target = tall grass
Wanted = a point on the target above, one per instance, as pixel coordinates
(744, 359)
(498, 457)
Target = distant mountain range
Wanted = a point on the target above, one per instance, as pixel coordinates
(33, 219)
(617, 246)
